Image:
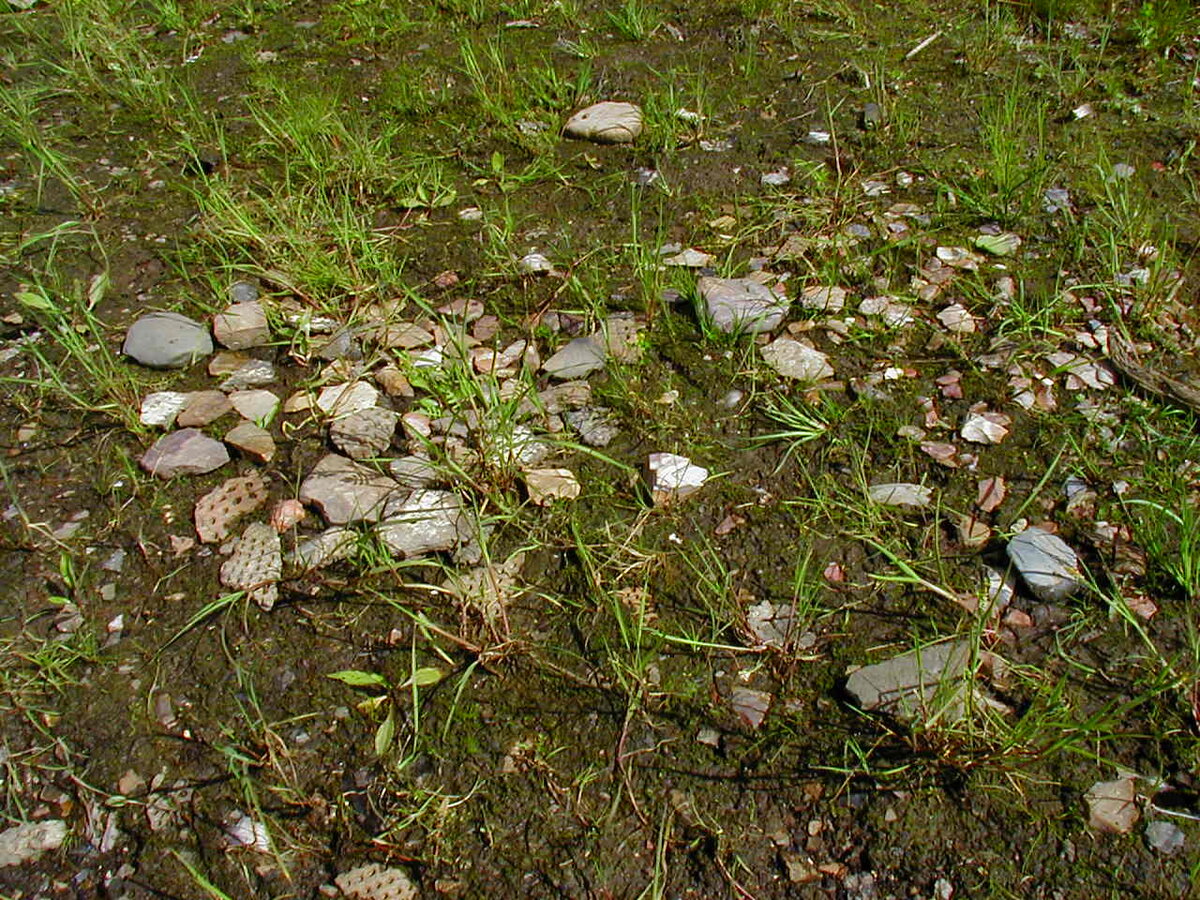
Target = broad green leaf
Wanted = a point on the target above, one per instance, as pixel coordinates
(386, 733)
(424, 677)
(355, 678)
(37, 300)
(97, 288)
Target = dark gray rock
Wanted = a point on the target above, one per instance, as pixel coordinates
(578, 359)
(167, 340)
(1046, 564)
(930, 681)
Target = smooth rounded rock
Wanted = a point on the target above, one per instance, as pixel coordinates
(167, 340)
(608, 122)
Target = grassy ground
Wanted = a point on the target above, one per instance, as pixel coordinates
(584, 729)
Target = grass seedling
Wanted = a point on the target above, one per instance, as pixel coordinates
(800, 425)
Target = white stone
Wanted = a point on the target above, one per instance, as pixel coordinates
(608, 122)
(900, 494)
(792, 359)
(343, 399)
(673, 476)
(160, 408)
(741, 304)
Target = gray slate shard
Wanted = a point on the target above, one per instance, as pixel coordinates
(346, 491)
(426, 521)
(167, 340)
(608, 122)
(330, 546)
(184, 452)
(741, 304)
(1046, 564)
(595, 424)
(242, 325)
(414, 472)
(930, 681)
(577, 359)
(365, 433)
(29, 840)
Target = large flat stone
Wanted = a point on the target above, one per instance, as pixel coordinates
(345, 491)
(922, 684)
(184, 452)
(741, 304)
(167, 340)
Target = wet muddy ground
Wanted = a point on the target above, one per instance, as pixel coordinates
(984, 217)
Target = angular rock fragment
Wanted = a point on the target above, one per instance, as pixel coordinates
(793, 359)
(750, 705)
(548, 485)
(741, 304)
(202, 408)
(673, 477)
(250, 373)
(1047, 565)
(577, 359)
(161, 408)
(256, 565)
(330, 546)
(608, 122)
(257, 406)
(184, 452)
(252, 440)
(426, 521)
(596, 425)
(241, 326)
(930, 682)
(167, 340)
(345, 491)
(822, 298)
(900, 494)
(414, 472)
(1112, 806)
(343, 399)
(365, 433)
(28, 841)
(217, 510)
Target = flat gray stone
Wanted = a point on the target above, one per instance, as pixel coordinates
(256, 405)
(345, 491)
(1112, 806)
(365, 433)
(1046, 564)
(607, 122)
(243, 292)
(167, 340)
(203, 407)
(250, 374)
(1165, 837)
(184, 452)
(578, 359)
(930, 681)
(241, 326)
(426, 521)
(330, 546)
(741, 304)
(414, 472)
(595, 424)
